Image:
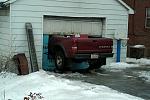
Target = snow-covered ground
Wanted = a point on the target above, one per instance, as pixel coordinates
(141, 61)
(131, 63)
(145, 75)
(115, 67)
(119, 66)
(53, 87)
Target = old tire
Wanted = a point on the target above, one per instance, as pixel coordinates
(59, 60)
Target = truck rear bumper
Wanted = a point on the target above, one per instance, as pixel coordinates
(89, 56)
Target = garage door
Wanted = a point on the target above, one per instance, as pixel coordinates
(77, 25)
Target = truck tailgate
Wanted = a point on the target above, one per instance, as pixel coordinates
(94, 45)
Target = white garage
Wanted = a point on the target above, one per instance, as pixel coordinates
(99, 17)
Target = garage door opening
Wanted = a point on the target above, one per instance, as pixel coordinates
(55, 24)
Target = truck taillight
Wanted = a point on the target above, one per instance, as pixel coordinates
(74, 50)
(74, 46)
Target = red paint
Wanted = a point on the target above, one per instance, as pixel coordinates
(83, 45)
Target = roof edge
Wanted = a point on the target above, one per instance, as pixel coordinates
(131, 11)
(8, 2)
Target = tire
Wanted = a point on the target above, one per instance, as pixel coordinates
(60, 60)
(96, 64)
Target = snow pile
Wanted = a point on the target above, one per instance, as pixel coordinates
(142, 61)
(119, 66)
(145, 75)
(139, 46)
(55, 88)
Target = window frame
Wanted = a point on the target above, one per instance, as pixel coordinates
(147, 17)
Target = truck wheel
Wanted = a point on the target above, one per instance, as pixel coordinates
(59, 60)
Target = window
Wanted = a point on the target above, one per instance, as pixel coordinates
(147, 17)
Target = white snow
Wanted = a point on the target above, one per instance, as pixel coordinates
(55, 88)
(142, 61)
(139, 46)
(145, 75)
(122, 65)
(119, 66)
(127, 64)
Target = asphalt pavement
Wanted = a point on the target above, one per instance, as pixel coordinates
(126, 81)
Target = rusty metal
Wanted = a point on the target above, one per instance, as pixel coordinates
(22, 63)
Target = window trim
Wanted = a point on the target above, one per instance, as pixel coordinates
(146, 17)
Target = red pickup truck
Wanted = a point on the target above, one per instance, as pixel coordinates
(78, 48)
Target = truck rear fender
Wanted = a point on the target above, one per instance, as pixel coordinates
(60, 47)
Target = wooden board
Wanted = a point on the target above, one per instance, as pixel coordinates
(31, 46)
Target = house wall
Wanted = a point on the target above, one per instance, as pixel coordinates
(138, 33)
(4, 31)
(32, 11)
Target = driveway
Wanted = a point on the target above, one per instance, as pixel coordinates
(126, 80)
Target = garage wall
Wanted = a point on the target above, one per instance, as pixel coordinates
(33, 10)
(4, 31)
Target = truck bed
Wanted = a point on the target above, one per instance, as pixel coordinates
(84, 44)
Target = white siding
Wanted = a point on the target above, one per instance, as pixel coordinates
(33, 10)
(4, 31)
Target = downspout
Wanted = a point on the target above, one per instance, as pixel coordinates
(118, 50)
